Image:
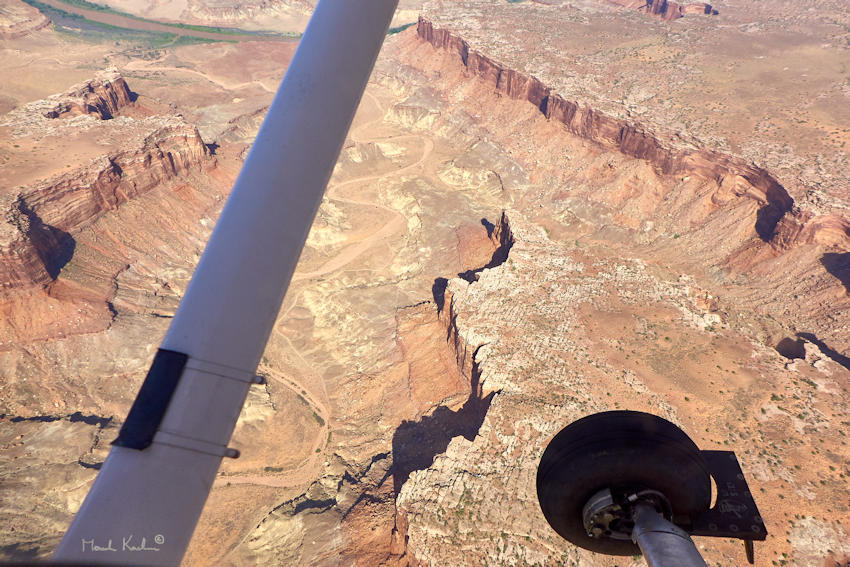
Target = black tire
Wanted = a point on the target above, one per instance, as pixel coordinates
(619, 450)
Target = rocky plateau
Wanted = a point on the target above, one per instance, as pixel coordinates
(543, 210)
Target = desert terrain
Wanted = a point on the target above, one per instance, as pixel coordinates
(542, 210)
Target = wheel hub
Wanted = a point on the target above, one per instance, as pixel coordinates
(608, 516)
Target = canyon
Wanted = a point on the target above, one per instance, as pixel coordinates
(523, 228)
(289, 17)
(666, 10)
(776, 207)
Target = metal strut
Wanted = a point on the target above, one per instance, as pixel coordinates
(662, 543)
(148, 496)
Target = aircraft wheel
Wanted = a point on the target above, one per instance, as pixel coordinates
(624, 451)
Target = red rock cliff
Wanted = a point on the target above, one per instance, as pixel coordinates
(102, 97)
(664, 9)
(750, 181)
(698, 8)
(36, 238)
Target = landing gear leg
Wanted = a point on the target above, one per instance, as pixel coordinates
(662, 543)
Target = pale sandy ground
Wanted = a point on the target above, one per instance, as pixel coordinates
(394, 174)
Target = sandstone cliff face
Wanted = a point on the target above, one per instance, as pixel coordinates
(536, 324)
(664, 9)
(102, 97)
(104, 210)
(750, 181)
(36, 237)
(698, 8)
(18, 19)
(570, 327)
(83, 106)
(462, 347)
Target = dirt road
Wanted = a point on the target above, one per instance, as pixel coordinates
(396, 223)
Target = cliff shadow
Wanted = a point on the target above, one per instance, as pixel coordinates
(54, 246)
(499, 255)
(838, 264)
(779, 202)
(767, 218)
(38, 418)
(796, 349)
(830, 352)
(90, 419)
(76, 417)
(21, 551)
(93, 466)
(489, 226)
(791, 348)
(55, 249)
(417, 443)
(438, 291)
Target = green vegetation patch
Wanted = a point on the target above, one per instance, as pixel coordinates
(399, 29)
(80, 27)
(192, 27)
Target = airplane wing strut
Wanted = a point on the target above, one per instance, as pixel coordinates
(148, 496)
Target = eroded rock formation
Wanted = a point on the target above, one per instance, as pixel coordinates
(698, 8)
(538, 353)
(81, 107)
(36, 237)
(664, 9)
(102, 97)
(743, 179)
(18, 19)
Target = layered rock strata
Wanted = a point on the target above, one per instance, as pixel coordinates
(36, 238)
(667, 10)
(106, 96)
(556, 334)
(18, 19)
(746, 179)
(101, 97)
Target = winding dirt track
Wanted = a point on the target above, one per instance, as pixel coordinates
(350, 253)
(309, 468)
